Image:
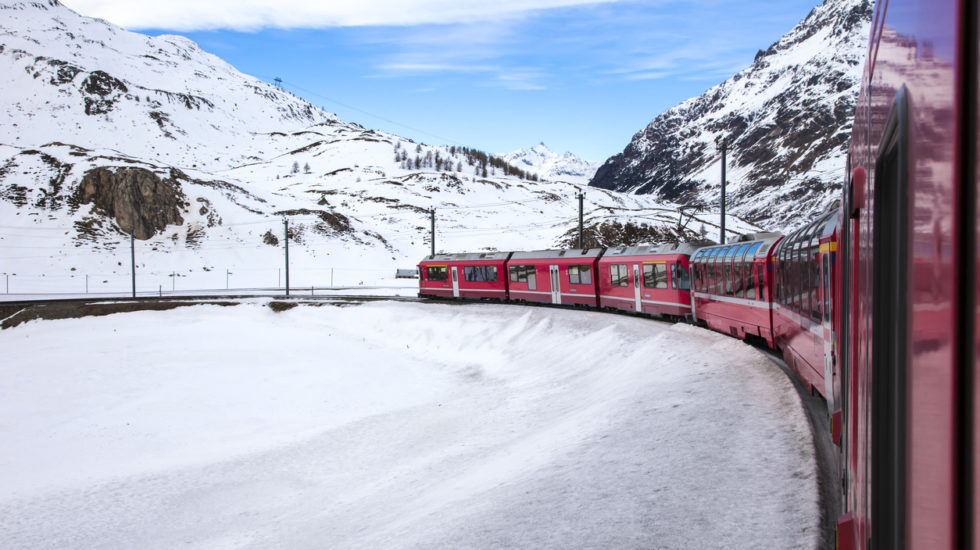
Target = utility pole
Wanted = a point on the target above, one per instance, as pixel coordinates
(7, 275)
(86, 284)
(723, 163)
(432, 213)
(132, 256)
(581, 197)
(227, 276)
(285, 225)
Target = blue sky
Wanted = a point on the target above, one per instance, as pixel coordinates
(580, 76)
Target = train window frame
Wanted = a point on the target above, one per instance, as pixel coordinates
(761, 275)
(522, 273)
(740, 261)
(582, 274)
(437, 269)
(680, 277)
(619, 275)
(655, 275)
(480, 273)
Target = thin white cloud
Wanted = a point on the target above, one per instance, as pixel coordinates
(190, 15)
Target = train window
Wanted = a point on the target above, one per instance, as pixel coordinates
(679, 277)
(815, 287)
(655, 275)
(421, 274)
(580, 274)
(746, 279)
(719, 287)
(480, 273)
(826, 287)
(437, 273)
(750, 281)
(521, 273)
(619, 275)
(752, 250)
(726, 280)
(760, 273)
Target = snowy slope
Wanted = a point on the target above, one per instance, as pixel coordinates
(786, 120)
(552, 166)
(202, 163)
(375, 427)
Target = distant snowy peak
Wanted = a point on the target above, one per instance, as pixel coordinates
(552, 166)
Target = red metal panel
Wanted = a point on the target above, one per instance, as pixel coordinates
(918, 47)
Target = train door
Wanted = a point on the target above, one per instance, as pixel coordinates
(636, 287)
(455, 283)
(555, 285)
(828, 333)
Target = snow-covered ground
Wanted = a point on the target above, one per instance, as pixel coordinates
(397, 425)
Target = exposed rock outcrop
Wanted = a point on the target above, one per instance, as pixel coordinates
(139, 200)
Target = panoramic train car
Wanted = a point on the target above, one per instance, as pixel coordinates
(652, 279)
(802, 317)
(909, 387)
(554, 276)
(479, 275)
(732, 288)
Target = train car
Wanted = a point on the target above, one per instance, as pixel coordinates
(908, 339)
(652, 279)
(733, 288)
(554, 276)
(475, 275)
(803, 302)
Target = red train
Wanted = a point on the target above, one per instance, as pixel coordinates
(653, 280)
(873, 305)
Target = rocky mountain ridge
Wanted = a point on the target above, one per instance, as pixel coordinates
(786, 121)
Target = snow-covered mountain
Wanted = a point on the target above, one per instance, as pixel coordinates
(786, 120)
(551, 166)
(108, 132)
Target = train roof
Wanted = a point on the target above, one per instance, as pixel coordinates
(810, 234)
(467, 256)
(566, 254)
(760, 244)
(648, 249)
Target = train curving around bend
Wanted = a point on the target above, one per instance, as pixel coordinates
(872, 305)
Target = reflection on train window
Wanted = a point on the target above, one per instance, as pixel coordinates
(437, 273)
(679, 277)
(619, 275)
(750, 268)
(519, 273)
(580, 274)
(523, 274)
(655, 275)
(480, 273)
